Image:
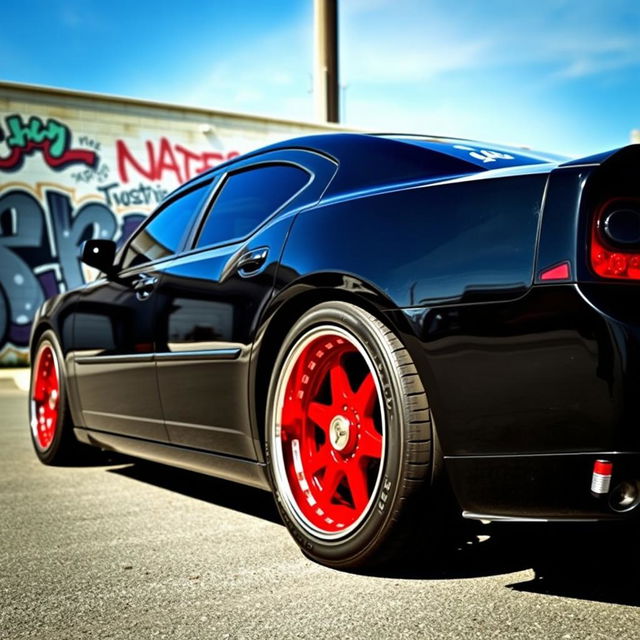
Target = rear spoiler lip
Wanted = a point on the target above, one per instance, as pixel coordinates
(601, 158)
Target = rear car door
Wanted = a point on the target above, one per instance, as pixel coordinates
(211, 297)
(115, 325)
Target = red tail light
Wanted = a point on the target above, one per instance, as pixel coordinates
(615, 240)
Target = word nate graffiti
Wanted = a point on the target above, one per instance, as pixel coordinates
(163, 158)
(52, 139)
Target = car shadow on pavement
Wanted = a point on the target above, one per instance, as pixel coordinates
(574, 561)
(598, 563)
(230, 495)
(587, 562)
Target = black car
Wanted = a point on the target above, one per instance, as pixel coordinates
(352, 321)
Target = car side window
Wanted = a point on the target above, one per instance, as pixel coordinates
(161, 236)
(248, 198)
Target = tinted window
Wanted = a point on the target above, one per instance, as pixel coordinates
(248, 198)
(161, 236)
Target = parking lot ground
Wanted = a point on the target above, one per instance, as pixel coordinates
(135, 550)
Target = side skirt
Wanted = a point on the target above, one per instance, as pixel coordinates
(246, 472)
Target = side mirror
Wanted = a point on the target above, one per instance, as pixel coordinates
(100, 254)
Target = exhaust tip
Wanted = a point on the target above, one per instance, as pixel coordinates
(625, 496)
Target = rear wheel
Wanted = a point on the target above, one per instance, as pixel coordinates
(348, 437)
(49, 416)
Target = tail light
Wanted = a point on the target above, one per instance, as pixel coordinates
(615, 240)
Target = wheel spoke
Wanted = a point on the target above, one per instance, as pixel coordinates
(332, 478)
(358, 486)
(342, 513)
(321, 414)
(367, 395)
(370, 445)
(320, 459)
(340, 386)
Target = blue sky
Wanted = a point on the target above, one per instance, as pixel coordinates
(560, 75)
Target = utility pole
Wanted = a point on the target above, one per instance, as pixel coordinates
(325, 77)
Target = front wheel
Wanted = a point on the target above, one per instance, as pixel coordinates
(348, 437)
(49, 415)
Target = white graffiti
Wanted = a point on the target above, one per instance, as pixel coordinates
(486, 155)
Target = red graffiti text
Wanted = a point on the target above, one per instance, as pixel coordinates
(163, 158)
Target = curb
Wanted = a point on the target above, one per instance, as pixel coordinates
(15, 378)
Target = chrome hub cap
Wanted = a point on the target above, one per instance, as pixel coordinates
(339, 432)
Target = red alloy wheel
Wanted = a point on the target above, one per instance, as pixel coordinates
(45, 397)
(330, 441)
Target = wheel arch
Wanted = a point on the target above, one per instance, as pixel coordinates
(36, 333)
(289, 305)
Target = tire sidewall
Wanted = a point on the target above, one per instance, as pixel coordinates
(360, 543)
(51, 452)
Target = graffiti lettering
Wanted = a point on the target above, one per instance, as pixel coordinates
(141, 195)
(39, 241)
(22, 224)
(164, 157)
(86, 141)
(100, 173)
(53, 139)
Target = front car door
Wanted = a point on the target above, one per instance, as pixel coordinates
(115, 325)
(211, 297)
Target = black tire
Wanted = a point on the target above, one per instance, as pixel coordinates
(397, 483)
(63, 448)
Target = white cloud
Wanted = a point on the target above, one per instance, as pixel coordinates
(409, 41)
(407, 62)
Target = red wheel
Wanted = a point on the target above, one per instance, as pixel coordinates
(330, 436)
(49, 417)
(45, 397)
(348, 437)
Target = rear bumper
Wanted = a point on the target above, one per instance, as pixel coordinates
(541, 487)
(527, 394)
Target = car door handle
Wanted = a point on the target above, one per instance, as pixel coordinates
(251, 261)
(144, 286)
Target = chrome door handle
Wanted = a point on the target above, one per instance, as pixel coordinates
(144, 286)
(251, 261)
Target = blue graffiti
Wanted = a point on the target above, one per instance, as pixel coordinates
(39, 248)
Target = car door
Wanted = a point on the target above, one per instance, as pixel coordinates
(115, 324)
(211, 297)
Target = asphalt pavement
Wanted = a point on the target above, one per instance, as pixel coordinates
(135, 550)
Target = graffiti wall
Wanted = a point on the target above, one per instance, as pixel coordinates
(74, 167)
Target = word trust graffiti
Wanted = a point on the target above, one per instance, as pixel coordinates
(52, 139)
(40, 236)
(164, 158)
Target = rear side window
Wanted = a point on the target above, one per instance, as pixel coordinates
(162, 235)
(248, 198)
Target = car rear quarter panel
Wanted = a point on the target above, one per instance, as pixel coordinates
(466, 248)
(458, 242)
(510, 368)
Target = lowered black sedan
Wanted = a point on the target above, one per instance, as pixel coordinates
(355, 321)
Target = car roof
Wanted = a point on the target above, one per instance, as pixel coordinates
(369, 159)
(482, 154)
